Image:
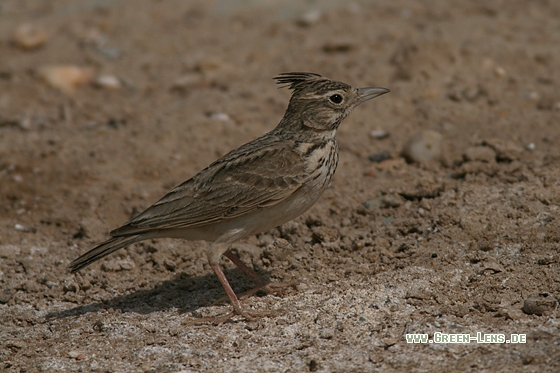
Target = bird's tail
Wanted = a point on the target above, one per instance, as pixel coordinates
(102, 250)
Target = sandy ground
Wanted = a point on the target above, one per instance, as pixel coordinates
(464, 243)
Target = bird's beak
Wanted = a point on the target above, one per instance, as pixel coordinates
(368, 93)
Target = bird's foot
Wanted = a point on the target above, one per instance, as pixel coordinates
(268, 287)
(271, 288)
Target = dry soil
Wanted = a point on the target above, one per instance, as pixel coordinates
(465, 243)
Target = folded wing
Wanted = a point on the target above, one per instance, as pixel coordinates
(259, 174)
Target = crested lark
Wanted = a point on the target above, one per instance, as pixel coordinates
(258, 186)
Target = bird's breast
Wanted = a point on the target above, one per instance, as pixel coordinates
(320, 162)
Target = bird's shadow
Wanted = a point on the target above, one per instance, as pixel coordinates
(183, 293)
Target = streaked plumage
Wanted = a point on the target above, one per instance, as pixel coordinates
(258, 186)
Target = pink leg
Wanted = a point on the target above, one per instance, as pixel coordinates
(227, 287)
(260, 283)
(237, 309)
(254, 276)
(214, 255)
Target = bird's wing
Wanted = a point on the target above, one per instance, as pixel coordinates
(258, 174)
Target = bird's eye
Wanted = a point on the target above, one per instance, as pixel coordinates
(336, 98)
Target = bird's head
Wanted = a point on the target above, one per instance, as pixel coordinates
(320, 103)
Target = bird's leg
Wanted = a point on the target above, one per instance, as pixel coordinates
(227, 287)
(214, 255)
(254, 276)
(260, 282)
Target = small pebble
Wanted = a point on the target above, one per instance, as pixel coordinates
(70, 286)
(386, 201)
(379, 134)
(391, 201)
(372, 203)
(111, 53)
(531, 146)
(379, 157)
(170, 265)
(76, 355)
(219, 116)
(184, 82)
(479, 153)
(310, 18)
(325, 234)
(25, 228)
(66, 78)
(510, 313)
(108, 81)
(28, 36)
(532, 95)
(388, 220)
(499, 71)
(327, 333)
(6, 295)
(423, 147)
(539, 305)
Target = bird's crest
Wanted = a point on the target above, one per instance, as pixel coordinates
(297, 80)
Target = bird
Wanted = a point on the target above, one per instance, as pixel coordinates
(255, 187)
